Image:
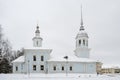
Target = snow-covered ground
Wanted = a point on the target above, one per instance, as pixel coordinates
(58, 77)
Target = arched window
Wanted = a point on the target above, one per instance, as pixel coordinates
(79, 42)
(34, 58)
(83, 42)
(42, 58)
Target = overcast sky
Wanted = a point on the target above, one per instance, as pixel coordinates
(59, 22)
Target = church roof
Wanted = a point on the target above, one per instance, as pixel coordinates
(37, 48)
(71, 59)
(37, 38)
(60, 59)
(19, 59)
(82, 34)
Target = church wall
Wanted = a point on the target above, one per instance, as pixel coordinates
(37, 42)
(91, 67)
(18, 67)
(30, 62)
(58, 66)
(82, 52)
(77, 67)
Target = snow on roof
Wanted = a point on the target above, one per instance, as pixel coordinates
(71, 59)
(35, 48)
(111, 66)
(19, 59)
(32, 47)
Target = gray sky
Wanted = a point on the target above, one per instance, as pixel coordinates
(59, 22)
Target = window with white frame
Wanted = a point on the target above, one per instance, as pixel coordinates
(70, 68)
(16, 68)
(62, 68)
(79, 42)
(34, 67)
(41, 67)
(54, 68)
(42, 58)
(34, 58)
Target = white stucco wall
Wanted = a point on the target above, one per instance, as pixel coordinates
(77, 67)
(27, 65)
(82, 52)
(21, 67)
(29, 53)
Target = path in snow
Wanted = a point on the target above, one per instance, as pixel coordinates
(57, 77)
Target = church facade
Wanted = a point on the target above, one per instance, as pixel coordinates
(39, 60)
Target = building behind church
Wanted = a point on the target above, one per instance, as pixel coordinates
(39, 60)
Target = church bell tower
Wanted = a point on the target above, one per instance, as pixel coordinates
(82, 50)
(37, 40)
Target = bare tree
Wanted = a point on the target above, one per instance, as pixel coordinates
(5, 47)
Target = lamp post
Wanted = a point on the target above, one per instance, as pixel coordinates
(28, 69)
(46, 67)
(66, 57)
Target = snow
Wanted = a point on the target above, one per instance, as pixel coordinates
(58, 77)
(111, 66)
(32, 47)
(19, 59)
(72, 59)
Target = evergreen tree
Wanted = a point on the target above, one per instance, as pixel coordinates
(5, 66)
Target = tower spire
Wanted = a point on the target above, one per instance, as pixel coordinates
(81, 24)
(37, 22)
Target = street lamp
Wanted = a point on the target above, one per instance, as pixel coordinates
(66, 57)
(28, 69)
(46, 67)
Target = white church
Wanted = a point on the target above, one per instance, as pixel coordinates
(40, 60)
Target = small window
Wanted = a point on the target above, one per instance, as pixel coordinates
(70, 68)
(42, 67)
(42, 58)
(83, 42)
(34, 58)
(34, 67)
(62, 68)
(37, 43)
(16, 68)
(54, 68)
(79, 42)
